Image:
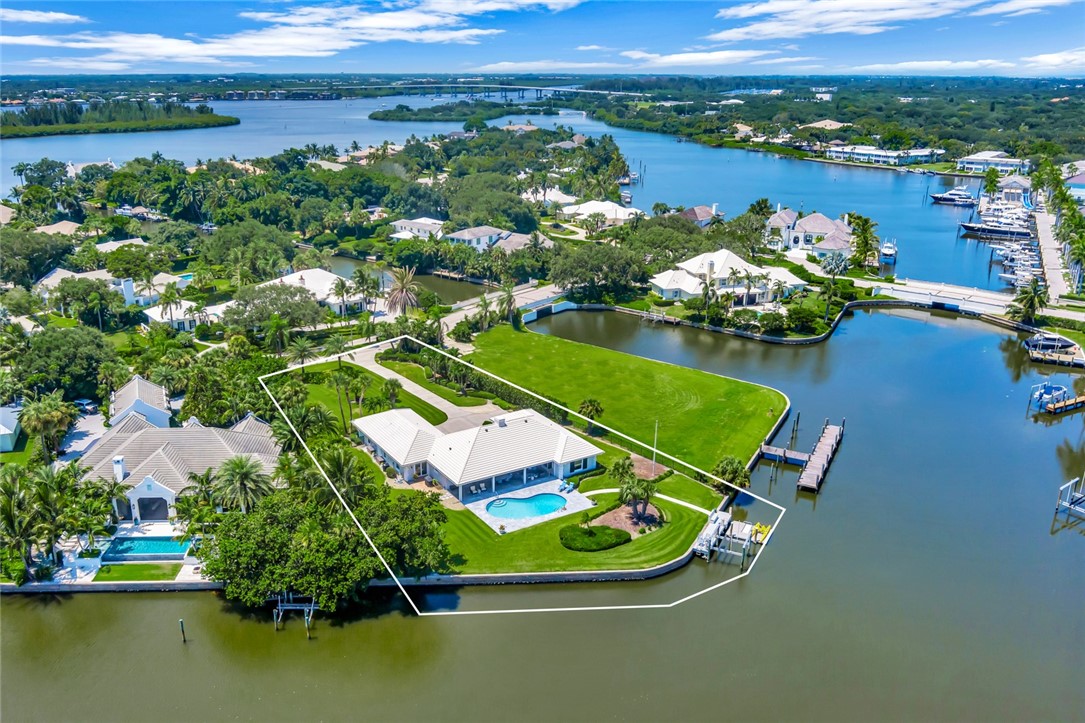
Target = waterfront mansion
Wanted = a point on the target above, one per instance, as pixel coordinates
(815, 233)
(726, 272)
(514, 449)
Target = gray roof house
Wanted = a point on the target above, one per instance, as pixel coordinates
(479, 238)
(142, 397)
(156, 462)
(9, 427)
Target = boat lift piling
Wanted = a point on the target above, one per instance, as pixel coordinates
(1072, 498)
(286, 602)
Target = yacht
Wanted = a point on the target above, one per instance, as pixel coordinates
(997, 228)
(959, 196)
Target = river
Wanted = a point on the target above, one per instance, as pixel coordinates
(676, 173)
(927, 581)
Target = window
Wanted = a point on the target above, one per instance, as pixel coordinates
(578, 465)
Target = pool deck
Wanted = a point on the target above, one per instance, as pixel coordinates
(576, 502)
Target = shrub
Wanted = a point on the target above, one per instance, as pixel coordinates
(773, 322)
(802, 318)
(592, 539)
(461, 332)
(389, 472)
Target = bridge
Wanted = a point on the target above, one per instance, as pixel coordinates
(487, 89)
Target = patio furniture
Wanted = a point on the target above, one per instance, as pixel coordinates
(473, 489)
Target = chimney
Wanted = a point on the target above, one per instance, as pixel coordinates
(119, 472)
(711, 269)
(845, 219)
(714, 205)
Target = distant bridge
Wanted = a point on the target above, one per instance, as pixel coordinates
(487, 89)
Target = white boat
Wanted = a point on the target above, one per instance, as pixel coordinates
(887, 253)
(959, 196)
(1044, 341)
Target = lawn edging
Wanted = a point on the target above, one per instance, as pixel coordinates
(53, 588)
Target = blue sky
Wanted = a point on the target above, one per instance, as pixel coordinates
(763, 37)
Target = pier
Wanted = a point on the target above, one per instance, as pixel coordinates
(1058, 358)
(1065, 405)
(814, 471)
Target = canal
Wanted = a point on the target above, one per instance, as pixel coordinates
(928, 581)
(450, 291)
(683, 174)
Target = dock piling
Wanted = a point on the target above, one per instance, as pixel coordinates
(183, 638)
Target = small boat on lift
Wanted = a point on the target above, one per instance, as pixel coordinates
(887, 253)
(959, 196)
(1044, 341)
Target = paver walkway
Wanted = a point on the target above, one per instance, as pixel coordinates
(1051, 256)
(615, 490)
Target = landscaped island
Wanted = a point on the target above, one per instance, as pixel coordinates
(459, 111)
(113, 117)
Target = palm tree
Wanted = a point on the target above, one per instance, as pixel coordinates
(342, 288)
(300, 352)
(347, 474)
(335, 346)
(277, 333)
(18, 515)
(834, 265)
(365, 285)
(484, 313)
(1029, 301)
(403, 291)
(592, 409)
(629, 491)
(241, 482)
(170, 299)
(709, 293)
(506, 302)
(779, 288)
(863, 238)
(358, 386)
(660, 209)
(391, 389)
(341, 380)
(47, 417)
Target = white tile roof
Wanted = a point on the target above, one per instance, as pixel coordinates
(612, 211)
(401, 433)
(9, 419)
(65, 228)
(679, 279)
(139, 388)
(318, 281)
(511, 241)
(475, 232)
(816, 223)
(7, 213)
(513, 442)
(721, 262)
(107, 247)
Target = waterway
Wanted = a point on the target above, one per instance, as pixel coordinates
(449, 291)
(928, 581)
(677, 173)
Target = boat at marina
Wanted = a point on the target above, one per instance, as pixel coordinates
(1045, 341)
(626, 197)
(959, 196)
(887, 253)
(996, 228)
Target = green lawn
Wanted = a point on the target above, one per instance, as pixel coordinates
(135, 571)
(1072, 334)
(325, 394)
(22, 453)
(416, 374)
(702, 417)
(538, 549)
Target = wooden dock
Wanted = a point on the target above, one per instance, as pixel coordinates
(787, 456)
(1058, 358)
(1066, 405)
(817, 465)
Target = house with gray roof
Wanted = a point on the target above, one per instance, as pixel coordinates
(479, 238)
(786, 230)
(9, 427)
(512, 449)
(140, 396)
(155, 463)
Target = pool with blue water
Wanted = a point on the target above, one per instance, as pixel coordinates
(145, 548)
(535, 506)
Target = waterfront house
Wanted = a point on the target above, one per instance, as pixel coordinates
(827, 124)
(552, 196)
(9, 427)
(108, 247)
(155, 463)
(1014, 189)
(421, 227)
(511, 241)
(519, 128)
(999, 160)
(133, 292)
(186, 315)
(1076, 186)
(73, 169)
(701, 215)
(143, 397)
(614, 214)
(725, 272)
(321, 284)
(479, 238)
(785, 230)
(880, 156)
(328, 165)
(513, 449)
(63, 228)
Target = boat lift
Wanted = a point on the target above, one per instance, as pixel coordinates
(1072, 498)
(727, 538)
(286, 601)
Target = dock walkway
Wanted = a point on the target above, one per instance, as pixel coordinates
(813, 472)
(1065, 405)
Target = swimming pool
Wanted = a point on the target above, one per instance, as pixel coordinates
(536, 506)
(145, 548)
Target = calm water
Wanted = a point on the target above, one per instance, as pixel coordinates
(677, 173)
(926, 582)
(449, 291)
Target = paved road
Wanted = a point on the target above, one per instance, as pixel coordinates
(1051, 256)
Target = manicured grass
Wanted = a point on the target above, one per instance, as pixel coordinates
(539, 549)
(417, 375)
(22, 453)
(690, 490)
(702, 417)
(1076, 336)
(62, 322)
(325, 394)
(136, 571)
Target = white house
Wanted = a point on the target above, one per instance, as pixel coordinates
(155, 463)
(1014, 189)
(551, 197)
(142, 397)
(422, 227)
(479, 238)
(785, 230)
(614, 214)
(321, 284)
(725, 272)
(701, 215)
(999, 160)
(515, 449)
(63, 228)
(73, 169)
(827, 125)
(871, 154)
(108, 247)
(9, 427)
(184, 316)
(132, 291)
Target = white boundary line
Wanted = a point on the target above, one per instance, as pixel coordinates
(442, 613)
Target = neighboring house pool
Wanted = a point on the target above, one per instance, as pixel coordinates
(145, 548)
(186, 277)
(536, 506)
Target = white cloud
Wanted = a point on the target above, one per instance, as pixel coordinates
(1063, 62)
(790, 46)
(703, 59)
(310, 31)
(9, 15)
(543, 66)
(1015, 8)
(801, 18)
(593, 47)
(781, 61)
(934, 66)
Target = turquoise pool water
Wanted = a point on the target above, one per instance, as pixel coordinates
(186, 277)
(145, 548)
(536, 506)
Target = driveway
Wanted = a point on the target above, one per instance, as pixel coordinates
(87, 430)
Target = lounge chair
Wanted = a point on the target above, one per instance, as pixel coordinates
(473, 489)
